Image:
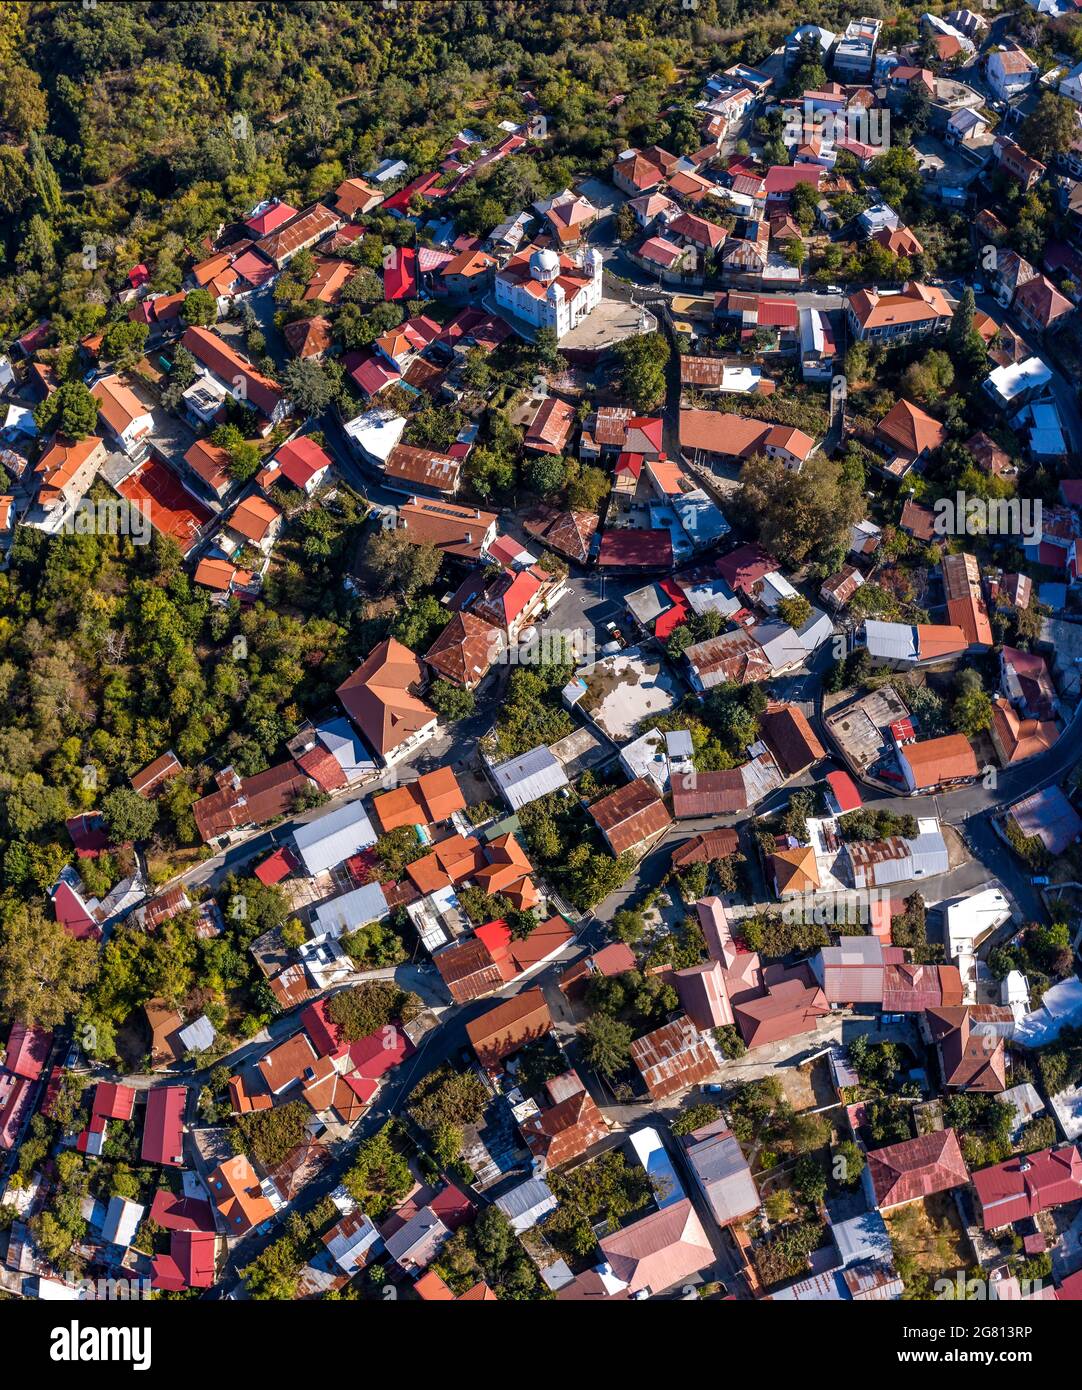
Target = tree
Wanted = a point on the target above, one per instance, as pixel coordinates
(274, 1272)
(451, 702)
(796, 514)
(643, 360)
(588, 489)
(1051, 128)
(44, 972)
(128, 816)
(123, 343)
(546, 475)
(521, 923)
(624, 223)
(930, 378)
(365, 1009)
(695, 1117)
(972, 708)
(628, 926)
(199, 308)
(606, 1044)
(795, 611)
(394, 562)
(71, 410)
(310, 386)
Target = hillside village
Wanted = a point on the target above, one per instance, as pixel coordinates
(543, 742)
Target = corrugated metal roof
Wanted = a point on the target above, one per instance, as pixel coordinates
(890, 641)
(331, 839)
(529, 776)
(350, 910)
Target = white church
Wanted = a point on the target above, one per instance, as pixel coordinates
(549, 290)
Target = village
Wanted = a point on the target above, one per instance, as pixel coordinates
(670, 885)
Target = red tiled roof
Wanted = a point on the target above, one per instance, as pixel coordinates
(917, 1168)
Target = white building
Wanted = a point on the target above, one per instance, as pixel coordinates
(1071, 84)
(333, 838)
(1010, 72)
(548, 290)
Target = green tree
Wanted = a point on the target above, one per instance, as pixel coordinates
(44, 972)
(642, 362)
(606, 1044)
(450, 702)
(123, 343)
(199, 308)
(70, 409)
(128, 816)
(1051, 127)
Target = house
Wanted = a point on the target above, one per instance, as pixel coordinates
(1050, 817)
(240, 1197)
(211, 465)
(301, 461)
(531, 775)
(285, 1065)
(734, 656)
(1016, 736)
(793, 871)
(302, 231)
(190, 1264)
(163, 1127)
(509, 1026)
(721, 1172)
(786, 732)
(256, 521)
(309, 338)
(354, 197)
(331, 839)
(898, 316)
(546, 289)
(674, 1057)
(1013, 160)
(966, 607)
(1040, 305)
(932, 763)
(630, 816)
(461, 532)
(421, 471)
(569, 216)
(550, 429)
(527, 1204)
(1010, 72)
(226, 373)
(855, 49)
(1028, 1184)
(351, 1242)
(379, 698)
(657, 1251)
(840, 588)
(122, 1217)
(916, 1168)
(971, 1046)
(465, 650)
(64, 474)
(907, 435)
(567, 1126)
(781, 1004)
(633, 174)
(127, 419)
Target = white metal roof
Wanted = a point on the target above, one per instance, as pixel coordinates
(350, 910)
(529, 776)
(330, 839)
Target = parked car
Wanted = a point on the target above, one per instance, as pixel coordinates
(1040, 881)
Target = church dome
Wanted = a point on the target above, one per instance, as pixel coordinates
(544, 265)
